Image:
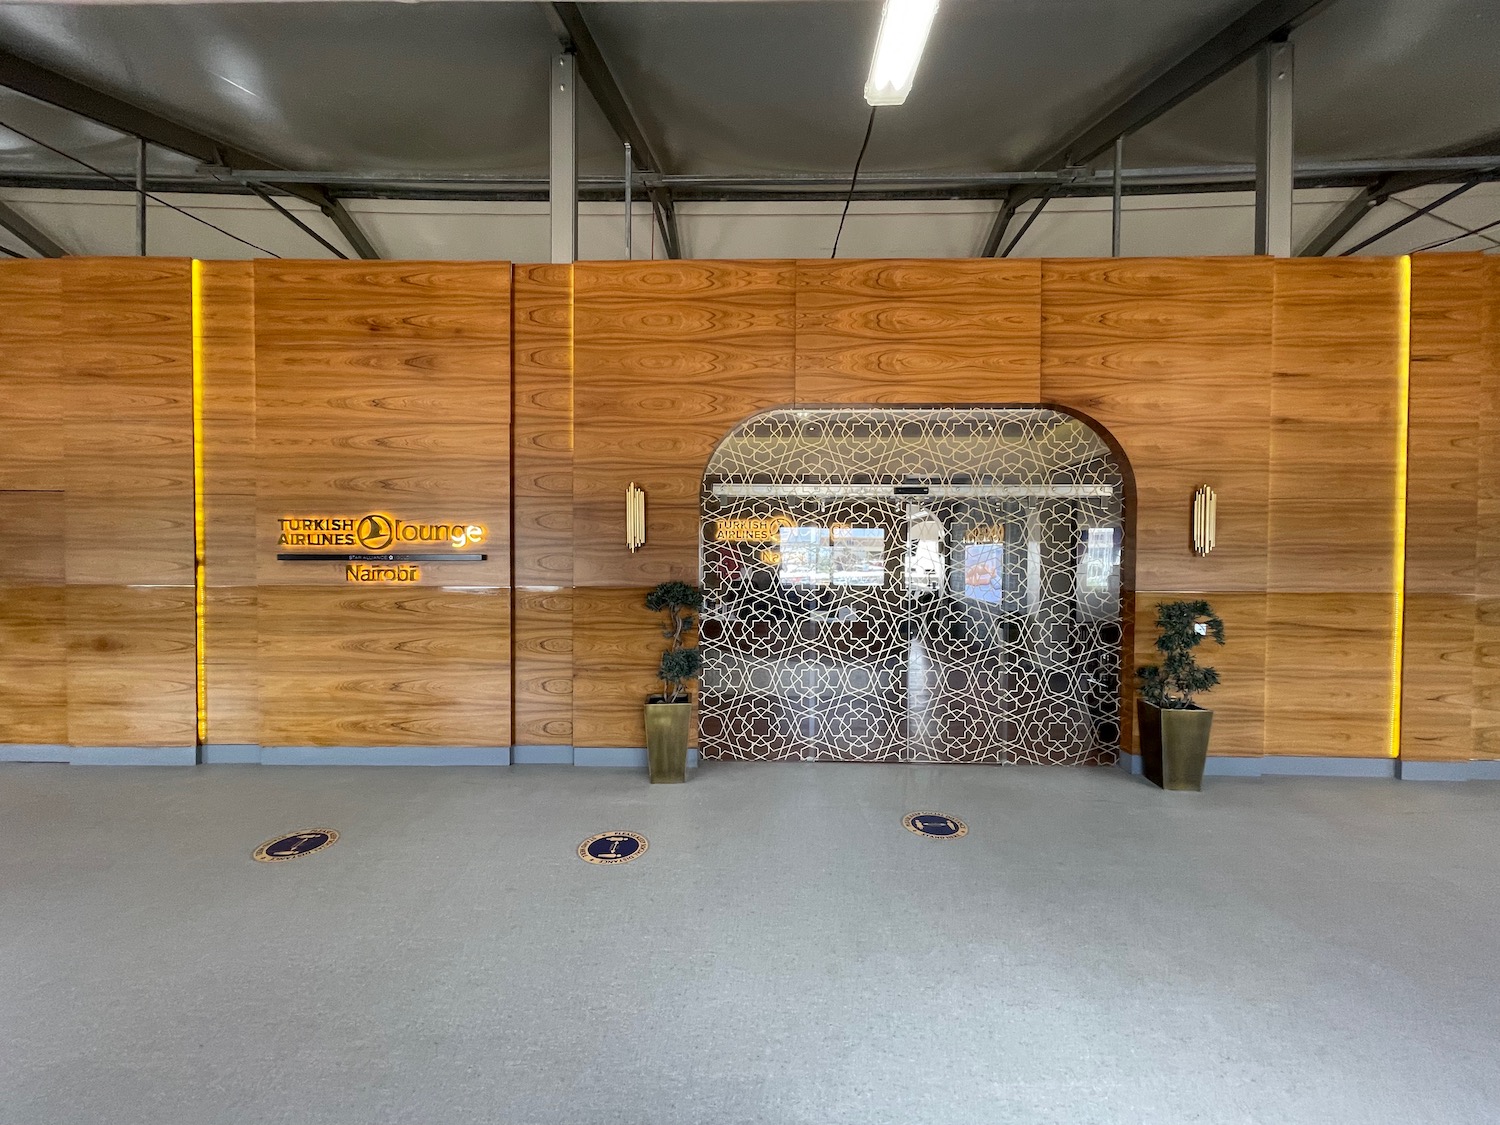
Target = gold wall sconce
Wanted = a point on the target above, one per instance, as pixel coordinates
(1205, 520)
(635, 518)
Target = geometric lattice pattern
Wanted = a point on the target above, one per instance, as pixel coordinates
(914, 584)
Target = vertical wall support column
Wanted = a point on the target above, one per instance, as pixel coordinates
(1274, 150)
(1114, 230)
(140, 197)
(629, 179)
(563, 171)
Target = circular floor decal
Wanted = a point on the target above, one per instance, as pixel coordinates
(938, 826)
(293, 844)
(613, 847)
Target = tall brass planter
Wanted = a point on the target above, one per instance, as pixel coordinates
(1174, 745)
(667, 741)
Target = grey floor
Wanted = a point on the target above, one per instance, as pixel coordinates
(1276, 950)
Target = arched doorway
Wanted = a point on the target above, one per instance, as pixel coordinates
(920, 584)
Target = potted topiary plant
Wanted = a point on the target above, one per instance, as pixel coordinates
(669, 715)
(1174, 729)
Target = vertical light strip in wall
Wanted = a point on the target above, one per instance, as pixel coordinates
(200, 592)
(1403, 429)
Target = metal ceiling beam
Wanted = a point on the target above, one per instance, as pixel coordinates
(49, 86)
(797, 187)
(1211, 59)
(1394, 182)
(22, 227)
(573, 32)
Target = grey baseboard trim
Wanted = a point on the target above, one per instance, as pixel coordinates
(1327, 767)
(231, 754)
(101, 755)
(35, 752)
(1487, 770)
(541, 755)
(633, 757)
(385, 755)
(1226, 766)
(1219, 765)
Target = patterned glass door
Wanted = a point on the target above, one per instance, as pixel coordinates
(804, 631)
(858, 610)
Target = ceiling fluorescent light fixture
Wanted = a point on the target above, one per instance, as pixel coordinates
(903, 33)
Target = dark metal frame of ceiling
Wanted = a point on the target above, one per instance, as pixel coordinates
(231, 170)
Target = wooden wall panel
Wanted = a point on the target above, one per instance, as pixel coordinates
(132, 679)
(617, 644)
(229, 477)
(1487, 577)
(33, 619)
(543, 667)
(1335, 453)
(129, 418)
(383, 387)
(33, 615)
(919, 330)
(384, 666)
(31, 387)
(542, 632)
(127, 358)
(33, 663)
(1173, 358)
(543, 427)
(668, 357)
(1448, 367)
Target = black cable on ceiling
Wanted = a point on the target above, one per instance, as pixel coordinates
(10, 253)
(131, 186)
(1457, 237)
(854, 179)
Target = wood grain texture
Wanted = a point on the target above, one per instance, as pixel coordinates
(128, 378)
(232, 666)
(542, 430)
(131, 668)
(128, 363)
(668, 357)
(31, 529)
(231, 669)
(383, 387)
(1487, 577)
(33, 620)
(1449, 363)
(1335, 440)
(31, 387)
(33, 664)
(1487, 677)
(229, 464)
(1239, 702)
(617, 643)
(413, 666)
(1173, 357)
(1335, 452)
(918, 331)
(1439, 677)
(542, 642)
(1329, 669)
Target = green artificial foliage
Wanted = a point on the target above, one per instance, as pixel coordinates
(1172, 684)
(680, 601)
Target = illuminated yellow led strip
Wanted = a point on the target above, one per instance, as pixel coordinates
(1403, 412)
(200, 592)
